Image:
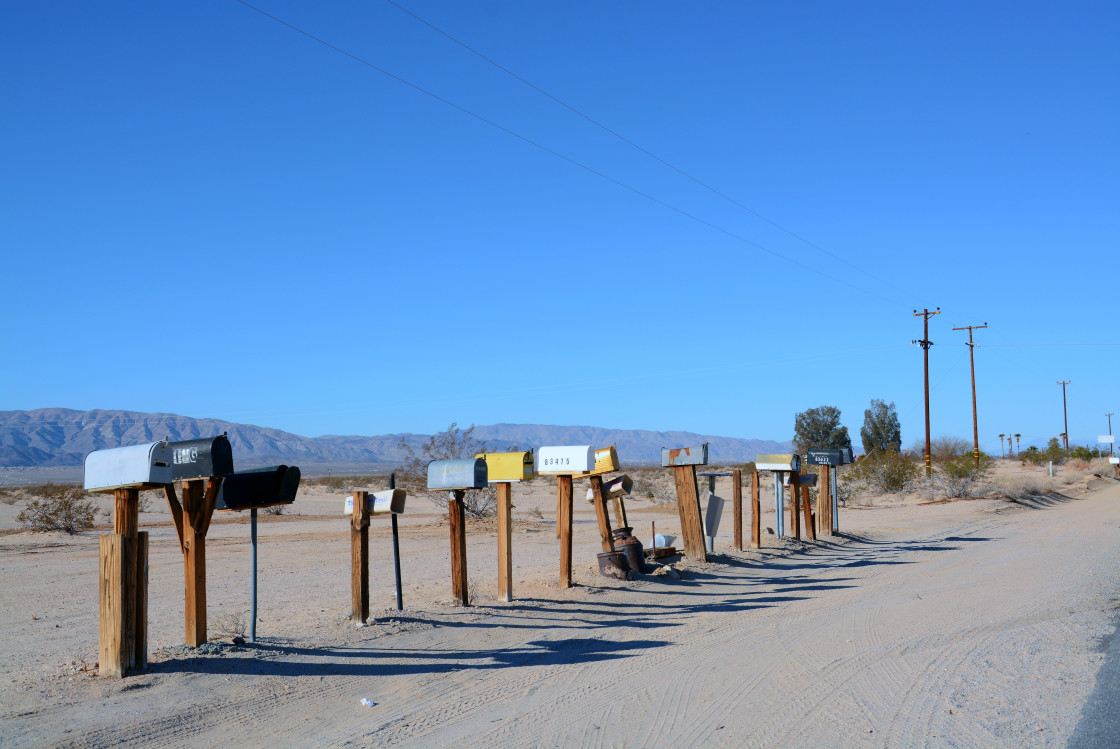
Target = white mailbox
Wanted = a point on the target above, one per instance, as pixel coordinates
(778, 462)
(386, 502)
(135, 466)
(566, 461)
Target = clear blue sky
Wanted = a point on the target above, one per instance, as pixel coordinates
(206, 212)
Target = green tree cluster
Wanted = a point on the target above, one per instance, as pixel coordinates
(881, 431)
(820, 428)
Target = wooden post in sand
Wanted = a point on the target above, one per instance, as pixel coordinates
(505, 541)
(737, 506)
(564, 502)
(795, 493)
(684, 461)
(824, 501)
(359, 559)
(756, 512)
(457, 520)
(456, 477)
(123, 590)
(192, 521)
(564, 461)
(807, 509)
(601, 513)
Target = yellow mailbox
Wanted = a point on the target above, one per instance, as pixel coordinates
(606, 460)
(509, 466)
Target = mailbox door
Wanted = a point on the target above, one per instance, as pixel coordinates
(201, 458)
(606, 460)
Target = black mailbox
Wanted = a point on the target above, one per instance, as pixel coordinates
(259, 487)
(847, 456)
(825, 458)
(201, 459)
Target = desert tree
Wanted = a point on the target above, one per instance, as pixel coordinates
(881, 431)
(820, 428)
(452, 444)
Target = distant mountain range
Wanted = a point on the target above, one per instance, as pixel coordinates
(63, 437)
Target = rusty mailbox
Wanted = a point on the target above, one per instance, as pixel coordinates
(201, 459)
(685, 456)
(259, 487)
(518, 466)
(567, 460)
(132, 467)
(453, 475)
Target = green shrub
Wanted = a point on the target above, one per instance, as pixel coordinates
(58, 507)
(882, 473)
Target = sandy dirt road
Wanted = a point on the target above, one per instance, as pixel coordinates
(963, 624)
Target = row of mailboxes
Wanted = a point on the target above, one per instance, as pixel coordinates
(685, 456)
(259, 487)
(157, 463)
(385, 502)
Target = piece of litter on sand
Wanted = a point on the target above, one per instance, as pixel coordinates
(367, 702)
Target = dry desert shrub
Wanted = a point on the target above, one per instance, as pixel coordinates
(338, 483)
(653, 484)
(881, 473)
(58, 507)
(1021, 487)
(229, 624)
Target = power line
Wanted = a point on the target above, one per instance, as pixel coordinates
(639, 148)
(559, 155)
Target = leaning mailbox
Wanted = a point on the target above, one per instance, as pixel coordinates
(201, 459)
(616, 487)
(135, 466)
(259, 487)
(509, 466)
(685, 456)
(825, 458)
(778, 462)
(386, 502)
(454, 475)
(566, 460)
(606, 460)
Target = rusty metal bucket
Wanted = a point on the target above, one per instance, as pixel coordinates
(625, 542)
(614, 564)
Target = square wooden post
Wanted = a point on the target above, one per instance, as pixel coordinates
(756, 512)
(824, 501)
(688, 505)
(601, 513)
(564, 503)
(359, 558)
(620, 511)
(807, 508)
(505, 541)
(455, 515)
(123, 590)
(794, 497)
(737, 506)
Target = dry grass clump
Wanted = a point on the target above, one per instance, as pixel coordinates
(229, 624)
(340, 483)
(653, 484)
(58, 507)
(1022, 486)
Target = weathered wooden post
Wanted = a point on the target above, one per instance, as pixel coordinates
(563, 462)
(756, 512)
(614, 490)
(359, 557)
(200, 465)
(737, 506)
(684, 461)
(828, 461)
(457, 477)
(781, 464)
(501, 470)
(807, 510)
(123, 554)
(794, 501)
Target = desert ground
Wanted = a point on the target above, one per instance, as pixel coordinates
(967, 623)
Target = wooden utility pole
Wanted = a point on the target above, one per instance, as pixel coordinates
(505, 541)
(972, 366)
(564, 515)
(756, 513)
(1065, 415)
(688, 506)
(359, 559)
(737, 506)
(925, 343)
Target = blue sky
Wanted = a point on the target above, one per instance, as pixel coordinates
(207, 212)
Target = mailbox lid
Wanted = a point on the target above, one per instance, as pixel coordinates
(518, 466)
(259, 487)
(778, 462)
(201, 458)
(824, 457)
(846, 456)
(465, 473)
(685, 456)
(565, 460)
(131, 466)
(606, 460)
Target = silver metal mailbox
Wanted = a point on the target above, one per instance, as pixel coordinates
(134, 466)
(778, 462)
(450, 475)
(565, 460)
(386, 502)
(685, 456)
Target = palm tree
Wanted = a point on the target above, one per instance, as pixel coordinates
(1017, 436)
(1001, 445)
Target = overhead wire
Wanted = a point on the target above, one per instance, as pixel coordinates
(562, 156)
(636, 146)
